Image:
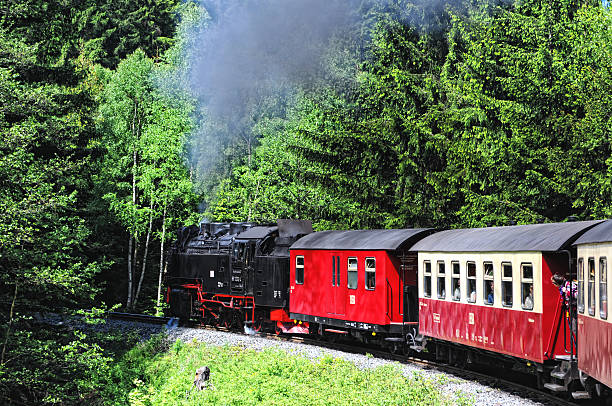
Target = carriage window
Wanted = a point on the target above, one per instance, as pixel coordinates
(427, 279)
(370, 273)
(471, 281)
(489, 292)
(507, 284)
(591, 297)
(603, 287)
(299, 269)
(527, 286)
(333, 270)
(455, 281)
(581, 285)
(441, 280)
(351, 281)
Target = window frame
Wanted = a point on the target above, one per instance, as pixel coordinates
(457, 278)
(426, 274)
(349, 271)
(366, 271)
(485, 280)
(505, 280)
(469, 278)
(303, 267)
(591, 286)
(603, 282)
(580, 305)
(443, 277)
(525, 281)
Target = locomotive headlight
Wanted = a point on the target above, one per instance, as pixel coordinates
(373, 333)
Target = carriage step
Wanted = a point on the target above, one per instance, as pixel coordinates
(559, 374)
(581, 395)
(555, 387)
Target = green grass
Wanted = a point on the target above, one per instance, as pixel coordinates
(153, 374)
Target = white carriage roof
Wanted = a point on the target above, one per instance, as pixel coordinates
(376, 240)
(601, 233)
(531, 237)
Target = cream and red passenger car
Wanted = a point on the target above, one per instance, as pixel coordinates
(488, 291)
(594, 319)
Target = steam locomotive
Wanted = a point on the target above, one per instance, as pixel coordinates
(234, 274)
(465, 296)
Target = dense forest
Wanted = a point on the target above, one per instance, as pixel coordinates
(121, 121)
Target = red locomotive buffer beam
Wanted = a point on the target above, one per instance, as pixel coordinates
(284, 324)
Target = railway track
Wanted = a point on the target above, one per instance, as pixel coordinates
(491, 380)
(143, 318)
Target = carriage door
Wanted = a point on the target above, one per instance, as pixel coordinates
(408, 272)
(338, 284)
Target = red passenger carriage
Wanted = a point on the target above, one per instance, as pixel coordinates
(594, 320)
(488, 292)
(358, 282)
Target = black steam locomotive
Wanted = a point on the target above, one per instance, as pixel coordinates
(233, 274)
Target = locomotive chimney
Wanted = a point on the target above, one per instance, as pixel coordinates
(205, 227)
(572, 218)
(236, 227)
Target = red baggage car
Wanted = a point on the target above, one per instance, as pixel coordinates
(358, 282)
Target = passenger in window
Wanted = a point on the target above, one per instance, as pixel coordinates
(457, 292)
(473, 296)
(528, 302)
(490, 297)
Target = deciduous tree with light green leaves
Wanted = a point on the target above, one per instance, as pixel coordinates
(143, 170)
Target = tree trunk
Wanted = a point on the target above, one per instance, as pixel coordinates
(146, 252)
(161, 261)
(132, 232)
(134, 268)
(8, 329)
(128, 304)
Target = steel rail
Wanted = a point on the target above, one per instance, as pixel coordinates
(143, 318)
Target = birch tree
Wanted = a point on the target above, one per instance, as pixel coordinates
(148, 187)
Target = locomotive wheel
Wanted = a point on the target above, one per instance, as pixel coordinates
(258, 324)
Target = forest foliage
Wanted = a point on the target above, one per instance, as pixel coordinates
(419, 113)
